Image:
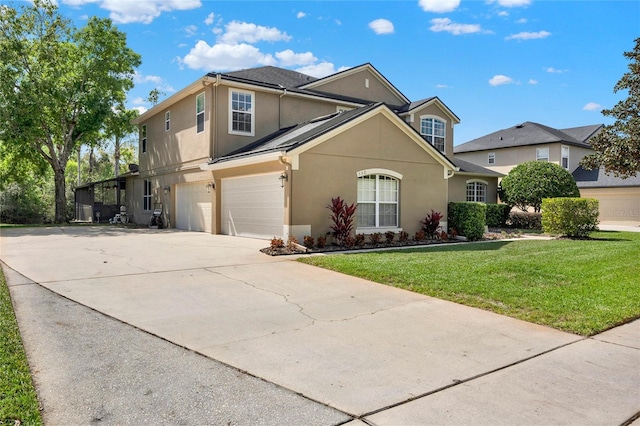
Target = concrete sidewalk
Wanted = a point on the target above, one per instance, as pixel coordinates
(331, 347)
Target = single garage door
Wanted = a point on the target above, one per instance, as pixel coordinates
(253, 206)
(193, 207)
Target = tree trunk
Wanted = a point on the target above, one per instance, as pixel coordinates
(61, 196)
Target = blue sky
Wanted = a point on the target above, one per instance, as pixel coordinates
(494, 63)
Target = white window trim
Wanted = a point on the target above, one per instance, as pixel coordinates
(562, 157)
(541, 158)
(382, 229)
(143, 139)
(204, 108)
(475, 194)
(167, 121)
(491, 156)
(435, 117)
(253, 112)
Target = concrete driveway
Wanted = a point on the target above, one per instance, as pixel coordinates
(362, 352)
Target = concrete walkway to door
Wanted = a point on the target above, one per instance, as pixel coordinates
(311, 346)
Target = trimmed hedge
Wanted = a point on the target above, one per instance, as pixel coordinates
(497, 215)
(468, 219)
(571, 217)
(525, 220)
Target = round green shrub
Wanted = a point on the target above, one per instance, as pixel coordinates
(468, 219)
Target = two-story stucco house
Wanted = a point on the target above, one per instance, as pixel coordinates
(261, 152)
(619, 199)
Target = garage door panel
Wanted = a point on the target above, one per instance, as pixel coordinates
(193, 207)
(253, 206)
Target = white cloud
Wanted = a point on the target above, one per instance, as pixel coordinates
(445, 24)
(141, 110)
(503, 13)
(499, 80)
(139, 78)
(381, 26)
(521, 21)
(555, 71)
(127, 11)
(301, 15)
(139, 101)
(532, 81)
(441, 86)
(288, 58)
(238, 32)
(209, 19)
(511, 3)
(320, 70)
(225, 57)
(592, 106)
(439, 6)
(191, 30)
(528, 35)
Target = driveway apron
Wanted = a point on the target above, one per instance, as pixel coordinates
(372, 352)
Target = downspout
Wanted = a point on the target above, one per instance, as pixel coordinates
(213, 117)
(289, 185)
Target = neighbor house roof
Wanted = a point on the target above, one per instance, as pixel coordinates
(530, 133)
(298, 136)
(598, 178)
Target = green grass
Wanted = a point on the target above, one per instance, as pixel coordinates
(18, 400)
(579, 286)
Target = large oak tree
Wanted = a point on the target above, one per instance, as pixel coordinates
(617, 145)
(58, 84)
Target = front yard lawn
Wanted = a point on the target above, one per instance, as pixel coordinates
(579, 286)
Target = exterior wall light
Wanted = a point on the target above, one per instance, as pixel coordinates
(283, 178)
(210, 186)
(167, 189)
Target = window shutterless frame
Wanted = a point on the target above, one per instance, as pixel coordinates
(200, 113)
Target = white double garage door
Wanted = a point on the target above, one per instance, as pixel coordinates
(252, 206)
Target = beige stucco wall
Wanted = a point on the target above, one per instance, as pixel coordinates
(458, 187)
(618, 206)
(330, 170)
(355, 85)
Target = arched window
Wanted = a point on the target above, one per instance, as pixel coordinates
(477, 191)
(433, 130)
(378, 199)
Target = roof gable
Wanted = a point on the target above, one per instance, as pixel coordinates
(416, 106)
(528, 133)
(322, 83)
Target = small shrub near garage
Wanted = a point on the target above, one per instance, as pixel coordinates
(571, 217)
(497, 215)
(468, 219)
(525, 220)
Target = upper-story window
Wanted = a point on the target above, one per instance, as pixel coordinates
(241, 113)
(565, 157)
(167, 121)
(542, 154)
(200, 113)
(492, 158)
(143, 138)
(477, 191)
(433, 130)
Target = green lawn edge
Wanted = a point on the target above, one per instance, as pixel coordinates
(579, 286)
(18, 399)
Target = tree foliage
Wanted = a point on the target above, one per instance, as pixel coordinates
(57, 85)
(117, 127)
(617, 146)
(528, 183)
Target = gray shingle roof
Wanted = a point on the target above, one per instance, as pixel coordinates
(598, 178)
(272, 76)
(529, 133)
(467, 167)
(295, 136)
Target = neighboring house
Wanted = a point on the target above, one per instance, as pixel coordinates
(503, 150)
(619, 199)
(261, 152)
